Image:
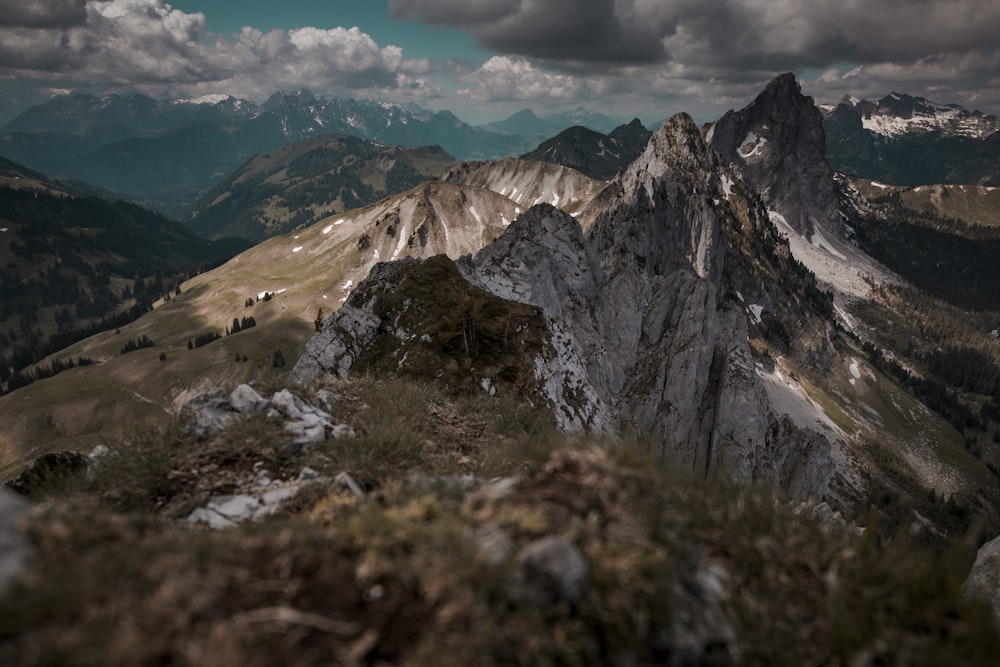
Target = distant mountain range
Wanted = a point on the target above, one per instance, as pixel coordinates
(166, 154)
(908, 140)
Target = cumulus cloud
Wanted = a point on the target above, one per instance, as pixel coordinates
(42, 13)
(502, 78)
(148, 43)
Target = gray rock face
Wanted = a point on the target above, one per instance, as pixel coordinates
(984, 578)
(779, 145)
(645, 331)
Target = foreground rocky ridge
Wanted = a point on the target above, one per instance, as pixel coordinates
(427, 553)
(646, 324)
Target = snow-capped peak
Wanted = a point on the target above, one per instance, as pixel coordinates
(211, 98)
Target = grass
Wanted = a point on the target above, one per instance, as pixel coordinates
(401, 578)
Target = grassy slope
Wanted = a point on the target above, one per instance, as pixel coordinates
(402, 579)
(973, 204)
(45, 415)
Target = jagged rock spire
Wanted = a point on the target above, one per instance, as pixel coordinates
(777, 142)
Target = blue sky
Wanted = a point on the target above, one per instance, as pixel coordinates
(418, 39)
(485, 59)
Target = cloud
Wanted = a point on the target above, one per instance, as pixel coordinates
(712, 52)
(42, 13)
(740, 34)
(502, 78)
(149, 44)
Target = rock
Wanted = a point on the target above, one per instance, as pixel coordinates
(983, 582)
(345, 482)
(98, 453)
(49, 472)
(247, 401)
(207, 414)
(15, 549)
(700, 632)
(339, 431)
(262, 498)
(327, 399)
(547, 571)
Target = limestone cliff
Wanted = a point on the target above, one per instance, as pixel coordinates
(640, 327)
(778, 143)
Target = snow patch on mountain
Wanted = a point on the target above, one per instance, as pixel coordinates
(751, 146)
(838, 265)
(210, 99)
(727, 185)
(790, 398)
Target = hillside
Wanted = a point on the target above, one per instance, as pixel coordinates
(296, 185)
(460, 530)
(72, 266)
(284, 283)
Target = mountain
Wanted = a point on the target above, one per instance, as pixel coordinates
(492, 433)
(596, 155)
(168, 153)
(526, 123)
(639, 324)
(682, 310)
(777, 142)
(284, 283)
(528, 183)
(305, 181)
(908, 140)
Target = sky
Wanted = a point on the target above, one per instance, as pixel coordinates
(486, 59)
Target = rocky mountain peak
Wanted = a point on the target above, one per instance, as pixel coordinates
(664, 219)
(778, 144)
(637, 329)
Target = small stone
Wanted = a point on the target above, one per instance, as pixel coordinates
(327, 399)
(345, 482)
(549, 570)
(308, 474)
(98, 453)
(207, 414)
(211, 518)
